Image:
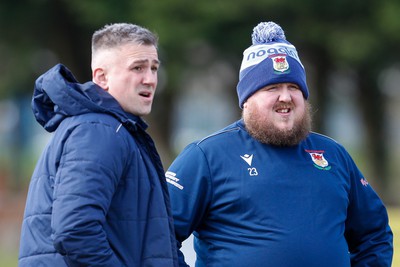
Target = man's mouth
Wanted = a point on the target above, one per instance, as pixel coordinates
(145, 94)
(283, 110)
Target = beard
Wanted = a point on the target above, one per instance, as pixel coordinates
(266, 132)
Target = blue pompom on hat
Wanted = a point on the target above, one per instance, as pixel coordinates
(269, 60)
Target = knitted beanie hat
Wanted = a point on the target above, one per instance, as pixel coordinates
(270, 60)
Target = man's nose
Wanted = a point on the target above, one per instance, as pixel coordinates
(150, 77)
(285, 95)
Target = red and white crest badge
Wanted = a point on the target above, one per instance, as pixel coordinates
(280, 63)
(318, 159)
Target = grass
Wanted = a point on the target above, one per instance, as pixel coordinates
(394, 220)
(8, 259)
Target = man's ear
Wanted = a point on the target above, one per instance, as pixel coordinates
(100, 78)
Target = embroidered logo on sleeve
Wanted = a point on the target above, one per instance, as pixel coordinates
(249, 159)
(319, 160)
(172, 179)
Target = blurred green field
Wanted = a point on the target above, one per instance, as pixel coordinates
(8, 259)
(394, 220)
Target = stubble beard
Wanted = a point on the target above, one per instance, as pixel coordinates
(265, 131)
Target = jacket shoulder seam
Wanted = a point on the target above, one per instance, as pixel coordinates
(217, 134)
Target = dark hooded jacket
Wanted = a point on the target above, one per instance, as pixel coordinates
(98, 195)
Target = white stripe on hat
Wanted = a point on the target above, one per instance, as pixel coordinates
(257, 53)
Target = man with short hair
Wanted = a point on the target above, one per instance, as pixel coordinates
(98, 196)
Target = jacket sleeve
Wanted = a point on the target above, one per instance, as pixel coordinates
(190, 189)
(87, 177)
(367, 231)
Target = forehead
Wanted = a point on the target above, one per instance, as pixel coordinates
(138, 52)
(125, 54)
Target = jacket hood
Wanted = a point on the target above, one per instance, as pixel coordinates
(57, 95)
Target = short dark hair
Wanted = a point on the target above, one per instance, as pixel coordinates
(112, 35)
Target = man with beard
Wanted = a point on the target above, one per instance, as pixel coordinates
(266, 191)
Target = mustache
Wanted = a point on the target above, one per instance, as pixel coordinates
(282, 105)
(145, 87)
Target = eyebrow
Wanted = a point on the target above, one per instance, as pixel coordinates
(143, 61)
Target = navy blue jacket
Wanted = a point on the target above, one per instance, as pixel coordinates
(98, 196)
(253, 204)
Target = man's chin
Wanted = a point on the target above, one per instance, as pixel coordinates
(283, 127)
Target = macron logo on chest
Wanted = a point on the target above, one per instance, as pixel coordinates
(249, 160)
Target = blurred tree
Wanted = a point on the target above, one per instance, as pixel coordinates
(332, 35)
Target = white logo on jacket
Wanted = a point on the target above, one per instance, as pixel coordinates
(249, 159)
(172, 179)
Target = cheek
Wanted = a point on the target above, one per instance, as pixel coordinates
(298, 98)
(300, 104)
(263, 107)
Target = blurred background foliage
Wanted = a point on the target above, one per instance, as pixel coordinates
(350, 50)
